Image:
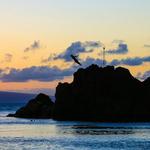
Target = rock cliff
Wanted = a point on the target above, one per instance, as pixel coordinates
(103, 94)
(96, 94)
(40, 107)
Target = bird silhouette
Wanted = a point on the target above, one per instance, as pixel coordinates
(75, 59)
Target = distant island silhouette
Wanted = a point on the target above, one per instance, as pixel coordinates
(103, 94)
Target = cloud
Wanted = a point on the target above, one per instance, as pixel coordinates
(143, 76)
(25, 57)
(78, 48)
(42, 73)
(90, 61)
(38, 73)
(50, 58)
(121, 49)
(147, 45)
(45, 73)
(128, 61)
(118, 41)
(34, 46)
(135, 61)
(8, 57)
(139, 76)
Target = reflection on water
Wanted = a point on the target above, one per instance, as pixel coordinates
(48, 134)
(92, 130)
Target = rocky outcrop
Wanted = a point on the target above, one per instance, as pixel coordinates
(40, 107)
(103, 94)
(96, 94)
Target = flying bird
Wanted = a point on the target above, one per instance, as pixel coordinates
(75, 59)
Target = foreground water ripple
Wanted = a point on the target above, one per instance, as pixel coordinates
(26, 134)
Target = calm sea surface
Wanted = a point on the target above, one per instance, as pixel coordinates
(26, 134)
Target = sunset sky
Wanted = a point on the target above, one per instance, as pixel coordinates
(38, 36)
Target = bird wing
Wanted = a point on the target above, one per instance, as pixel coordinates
(76, 56)
(75, 59)
(77, 62)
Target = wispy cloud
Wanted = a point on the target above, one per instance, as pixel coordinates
(8, 57)
(143, 76)
(90, 61)
(50, 58)
(38, 73)
(146, 75)
(118, 41)
(34, 46)
(45, 73)
(121, 49)
(147, 45)
(135, 61)
(25, 57)
(78, 48)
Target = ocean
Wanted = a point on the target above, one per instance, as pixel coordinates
(27, 134)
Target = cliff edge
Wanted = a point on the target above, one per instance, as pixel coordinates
(96, 94)
(103, 94)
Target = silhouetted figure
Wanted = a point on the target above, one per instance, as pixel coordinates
(75, 59)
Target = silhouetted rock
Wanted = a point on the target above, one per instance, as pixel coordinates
(96, 94)
(103, 94)
(40, 107)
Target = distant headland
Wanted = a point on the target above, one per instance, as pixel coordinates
(103, 94)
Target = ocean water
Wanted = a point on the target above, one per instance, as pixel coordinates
(26, 134)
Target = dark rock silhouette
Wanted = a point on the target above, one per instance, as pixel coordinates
(40, 107)
(103, 94)
(96, 94)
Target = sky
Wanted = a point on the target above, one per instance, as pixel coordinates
(38, 36)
